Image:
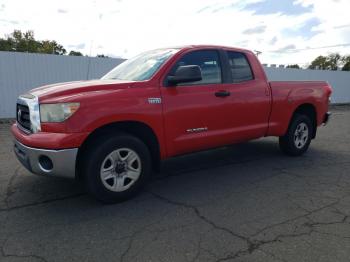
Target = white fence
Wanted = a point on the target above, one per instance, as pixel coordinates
(20, 72)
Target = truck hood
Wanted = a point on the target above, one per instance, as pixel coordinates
(77, 87)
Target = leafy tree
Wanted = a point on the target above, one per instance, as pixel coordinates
(319, 63)
(51, 47)
(346, 61)
(334, 60)
(346, 67)
(296, 66)
(75, 53)
(6, 44)
(330, 62)
(20, 42)
(25, 42)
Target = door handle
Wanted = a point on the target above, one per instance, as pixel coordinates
(222, 93)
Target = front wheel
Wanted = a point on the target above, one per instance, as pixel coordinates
(298, 137)
(116, 167)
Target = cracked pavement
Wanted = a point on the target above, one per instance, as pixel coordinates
(245, 202)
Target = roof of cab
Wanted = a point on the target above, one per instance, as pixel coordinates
(214, 46)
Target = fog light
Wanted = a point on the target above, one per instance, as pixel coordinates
(45, 163)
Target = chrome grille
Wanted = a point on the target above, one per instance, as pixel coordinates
(23, 117)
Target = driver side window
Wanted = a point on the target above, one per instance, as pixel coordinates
(209, 63)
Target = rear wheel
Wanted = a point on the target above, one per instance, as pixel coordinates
(116, 167)
(298, 137)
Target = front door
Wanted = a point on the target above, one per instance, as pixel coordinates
(194, 113)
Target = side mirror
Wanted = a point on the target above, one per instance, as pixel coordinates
(187, 73)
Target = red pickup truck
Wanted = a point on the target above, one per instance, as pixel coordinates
(113, 132)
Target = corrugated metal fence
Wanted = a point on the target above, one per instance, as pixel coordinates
(20, 72)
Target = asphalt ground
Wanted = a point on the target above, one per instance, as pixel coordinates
(245, 202)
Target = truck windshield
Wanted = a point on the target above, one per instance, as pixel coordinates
(141, 67)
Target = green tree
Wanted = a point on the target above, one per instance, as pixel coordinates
(334, 60)
(6, 44)
(51, 47)
(19, 42)
(25, 42)
(330, 62)
(320, 63)
(346, 67)
(296, 66)
(75, 53)
(346, 62)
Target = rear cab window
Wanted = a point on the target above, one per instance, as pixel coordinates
(239, 66)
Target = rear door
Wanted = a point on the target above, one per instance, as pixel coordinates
(249, 100)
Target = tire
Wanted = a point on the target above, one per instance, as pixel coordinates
(298, 137)
(116, 167)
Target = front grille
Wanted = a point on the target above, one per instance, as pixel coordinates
(23, 117)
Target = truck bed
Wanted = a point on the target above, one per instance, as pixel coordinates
(287, 95)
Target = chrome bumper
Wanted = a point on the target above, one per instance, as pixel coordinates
(60, 163)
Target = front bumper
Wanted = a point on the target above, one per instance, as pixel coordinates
(60, 163)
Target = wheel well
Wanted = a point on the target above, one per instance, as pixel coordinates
(310, 111)
(137, 129)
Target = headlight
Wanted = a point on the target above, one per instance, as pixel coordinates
(57, 112)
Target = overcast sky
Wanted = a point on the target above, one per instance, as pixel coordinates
(284, 30)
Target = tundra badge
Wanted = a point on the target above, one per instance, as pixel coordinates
(154, 100)
(196, 130)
